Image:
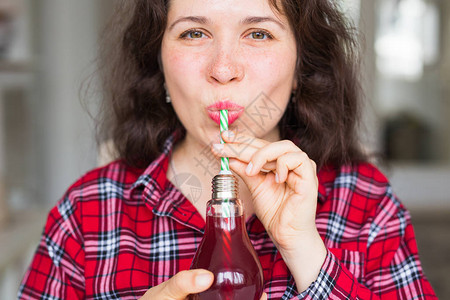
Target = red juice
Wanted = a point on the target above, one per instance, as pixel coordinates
(227, 252)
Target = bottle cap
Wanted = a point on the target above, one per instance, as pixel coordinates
(224, 186)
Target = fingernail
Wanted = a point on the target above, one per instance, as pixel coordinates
(249, 168)
(277, 179)
(203, 279)
(218, 147)
(229, 134)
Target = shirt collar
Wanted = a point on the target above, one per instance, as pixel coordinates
(326, 176)
(161, 196)
(154, 177)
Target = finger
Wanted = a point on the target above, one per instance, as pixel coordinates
(188, 282)
(235, 137)
(181, 285)
(264, 296)
(239, 168)
(251, 181)
(298, 162)
(313, 163)
(240, 151)
(243, 152)
(269, 153)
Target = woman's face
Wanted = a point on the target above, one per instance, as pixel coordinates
(228, 54)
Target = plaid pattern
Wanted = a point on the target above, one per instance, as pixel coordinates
(119, 231)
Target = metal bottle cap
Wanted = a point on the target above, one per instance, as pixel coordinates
(224, 186)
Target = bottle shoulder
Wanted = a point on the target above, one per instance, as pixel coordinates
(225, 208)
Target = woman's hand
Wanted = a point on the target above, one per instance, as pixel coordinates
(283, 183)
(182, 284)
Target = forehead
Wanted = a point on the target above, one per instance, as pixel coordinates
(227, 8)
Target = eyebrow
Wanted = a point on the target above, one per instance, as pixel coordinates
(255, 20)
(195, 19)
(246, 21)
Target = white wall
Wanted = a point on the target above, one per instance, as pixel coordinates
(421, 187)
(68, 32)
(59, 137)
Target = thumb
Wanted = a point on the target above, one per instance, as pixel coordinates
(181, 285)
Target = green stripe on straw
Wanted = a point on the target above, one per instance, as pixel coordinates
(224, 161)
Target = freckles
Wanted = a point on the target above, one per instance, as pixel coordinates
(265, 63)
(175, 57)
(184, 60)
(184, 68)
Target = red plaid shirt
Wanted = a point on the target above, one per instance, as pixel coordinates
(119, 231)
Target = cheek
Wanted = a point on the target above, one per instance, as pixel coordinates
(182, 66)
(271, 67)
(272, 73)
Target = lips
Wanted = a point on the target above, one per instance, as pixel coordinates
(234, 111)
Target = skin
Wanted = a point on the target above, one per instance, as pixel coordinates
(217, 57)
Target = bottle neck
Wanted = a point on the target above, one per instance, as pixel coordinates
(224, 208)
(225, 201)
(224, 215)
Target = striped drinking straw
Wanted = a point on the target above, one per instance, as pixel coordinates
(224, 161)
(226, 208)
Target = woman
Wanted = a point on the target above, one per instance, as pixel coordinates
(324, 223)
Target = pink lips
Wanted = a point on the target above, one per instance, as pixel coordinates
(234, 111)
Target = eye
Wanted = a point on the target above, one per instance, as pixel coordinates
(261, 35)
(192, 34)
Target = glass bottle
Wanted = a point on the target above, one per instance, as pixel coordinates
(225, 249)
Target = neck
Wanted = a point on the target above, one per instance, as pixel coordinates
(189, 156)
(195, 161)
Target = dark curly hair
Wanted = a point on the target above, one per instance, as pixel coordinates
(322, 119)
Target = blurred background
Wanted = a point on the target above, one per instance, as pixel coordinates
(47, 138)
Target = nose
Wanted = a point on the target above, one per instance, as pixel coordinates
(225, 67)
